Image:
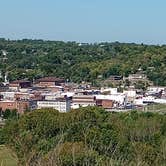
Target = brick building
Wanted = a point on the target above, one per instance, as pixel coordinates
(21, 106)
(49, 82)
(15, 85)
(105, 103)
(83, 101)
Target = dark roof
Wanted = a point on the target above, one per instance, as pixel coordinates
(50, 79)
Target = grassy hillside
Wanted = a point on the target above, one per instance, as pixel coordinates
(7, 157)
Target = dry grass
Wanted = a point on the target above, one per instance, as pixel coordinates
(7, 157)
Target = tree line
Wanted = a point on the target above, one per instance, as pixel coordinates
(37, 58)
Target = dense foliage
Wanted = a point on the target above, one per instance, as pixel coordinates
(36, 58)
(88, 136)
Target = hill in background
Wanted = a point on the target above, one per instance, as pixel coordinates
(81, 62)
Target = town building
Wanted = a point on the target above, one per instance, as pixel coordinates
(83, 101)
(61, 104)
(137, 77)
(49, 82)
(105, 103)
(16, 85)
(20, 105)
(155, 89)
(118, 99)
(131, 95)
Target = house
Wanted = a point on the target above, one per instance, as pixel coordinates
(116, 77)
(137, 77)
(49, 82)
(113, 80)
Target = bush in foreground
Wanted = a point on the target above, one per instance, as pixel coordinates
(88, 136)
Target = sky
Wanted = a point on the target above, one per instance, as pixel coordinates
(138, 21)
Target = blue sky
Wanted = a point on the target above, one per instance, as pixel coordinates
(140, 21)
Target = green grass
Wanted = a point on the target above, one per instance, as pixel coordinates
(159, 107)
(7, 157)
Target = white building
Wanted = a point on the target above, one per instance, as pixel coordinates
(8, 95)
(149, 99)
(111, 90)
(144, 100)
(160, 101)
(153, 89)
(131, 95)
(120, 98)
(133, 77)
(61, 105)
